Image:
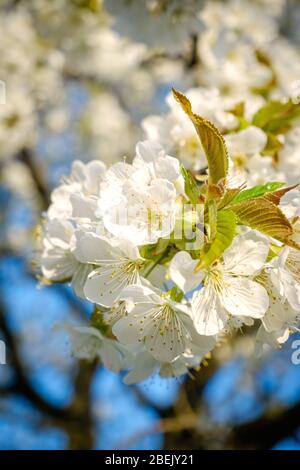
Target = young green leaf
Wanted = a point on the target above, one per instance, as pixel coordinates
(229, 195)
(153, 251)
(212, 219)
(276, 196)
(212, 140)
(225, 232)
(274, 145)
(190, 186)
(261, 214)
(276, 117)
(257, 191)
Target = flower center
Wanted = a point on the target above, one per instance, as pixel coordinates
(215, 279)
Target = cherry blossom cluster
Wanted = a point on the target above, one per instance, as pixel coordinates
(176, 252)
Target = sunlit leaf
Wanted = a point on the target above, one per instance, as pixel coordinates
(274, 145)
(212, 219)
(257, 191)
(225, 232)
(190, 185)
(276, 196)
(153, 251)
(212, 141)
(276, 117)
(229, 195)
(261, 214)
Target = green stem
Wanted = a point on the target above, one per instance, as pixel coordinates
(155, 263)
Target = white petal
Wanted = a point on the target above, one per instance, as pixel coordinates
(208, 314)
(104, 285)
(129, 249)
(280, 313)
(201, 344)
(83, 206)
(182, 271)
(111, 356)
(168, 167)
(164, 330)
(292, 293)
(145, 365)
(118, 173)
(60, 233)
(244, 297)
(162, 192)
(79, 279)
(91, 248)
(167, 339)
(140, 294)
(148, 150)
(126, 330)
(247, 254)
(246, 142)
(58, 265)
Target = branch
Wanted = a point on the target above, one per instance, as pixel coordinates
(26, 157)
(266, 431)
(22, 384)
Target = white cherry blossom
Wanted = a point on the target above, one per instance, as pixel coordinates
(138, 201)
(115, 267)
(228, 286)
(89, 343)
(58, 260)
(164, 326)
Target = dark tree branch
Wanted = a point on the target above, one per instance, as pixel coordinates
(22, 385)
(26, 157)
(266, 431)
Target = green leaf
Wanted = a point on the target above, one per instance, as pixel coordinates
(212, 140)
(274, 251)
(256, 191)
(228, 196)
(212, 219)
(238, 109)
(276, 117)
(153, 251)
(225, 232)
(175, 294)
(274, 145)
(261, 214)
(190, 186)
(92, 5)
(276, 196)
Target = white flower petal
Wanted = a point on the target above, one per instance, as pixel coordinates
(104, 285)
(111, 356)
(79, 279)
(83, 206)
(144, 366)
(247, 254)
(167, 336)
(58, 264)
(127, 329)
(148, 151)
(140, 294)
(182, 271)
(244, 297)
(208, 314)
(91, 248)
(249, 141)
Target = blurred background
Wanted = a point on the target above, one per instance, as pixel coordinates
(76, 79)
